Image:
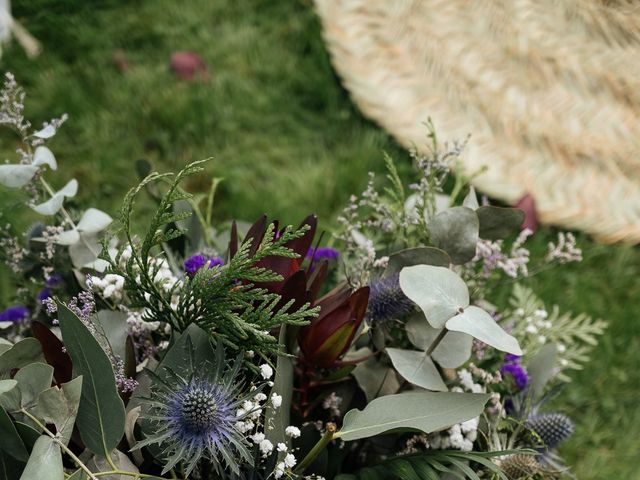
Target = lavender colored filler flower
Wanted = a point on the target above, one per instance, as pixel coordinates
(15, 314)
(196, 262)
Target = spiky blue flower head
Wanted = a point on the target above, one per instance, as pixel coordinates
(193, 417)
(552, 428)
(387, 300)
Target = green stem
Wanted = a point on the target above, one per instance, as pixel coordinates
(317, 448)
(436, 341)
(55, 438)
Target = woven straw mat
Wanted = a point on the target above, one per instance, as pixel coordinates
(548, 89)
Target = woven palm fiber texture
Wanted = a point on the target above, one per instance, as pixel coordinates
(548, 89)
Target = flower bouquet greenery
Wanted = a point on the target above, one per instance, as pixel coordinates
(175, 347)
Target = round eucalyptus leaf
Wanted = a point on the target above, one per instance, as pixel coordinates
(44, 156)
(45, 462)
(454, 349)
(455, 230)
(498, 222)
(418, 368)
(16, 176)
(93, 221)
(416, 256)
(68, 237)
(47, 132)
(438, 291)
(54, 204)
(471, 200)
(479, 324)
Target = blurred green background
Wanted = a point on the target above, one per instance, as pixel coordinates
(288, 141)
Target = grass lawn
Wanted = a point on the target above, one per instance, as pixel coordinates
(288, 141)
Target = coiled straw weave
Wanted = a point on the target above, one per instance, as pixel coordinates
(548, 89)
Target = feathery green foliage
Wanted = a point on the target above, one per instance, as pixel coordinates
(223, 300)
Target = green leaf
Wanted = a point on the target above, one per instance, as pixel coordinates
(471, 200)
(22, 353)
(417, 368)
(10, 441)
(32, 379)
(375, 379)
(282, 385)
(9, 467)
(93, 221)
(101, 414)
(452, 351)
(114, 325)
(541, 368)
(479, 324)
(45, 462)
(455, 230)
(28, 434)
(424, 411)
(16, 176)
(60, 407)
(51, 206)
(7, 385)
(438, 291)
(416, 256)
(498, 222)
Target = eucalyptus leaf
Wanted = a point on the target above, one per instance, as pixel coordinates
(23, 353)
(43, 156)
(101, 415)
(438, 291)
(416, 256)
(479, 324)
(456, 231)
(417, 368)
(60, 407)
(68, 237)
(541, 368)
(32, 380)
(10, 441)
(283, 386)
(46, 132)
(7, 385)
(94, 221)
(423, 411)
(114, 325)
(16, 176)
(45, 462)
(498, 222)
(54, 204)
(471, 200)
(10, 468)
(120, 460)
(375, 379)
(452, 351)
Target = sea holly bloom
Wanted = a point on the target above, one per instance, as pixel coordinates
(194, 417)
(329, 335)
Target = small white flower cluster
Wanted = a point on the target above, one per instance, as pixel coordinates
(565, 251)
(536, 323)
(459, 437)
(111, 286)
(332, 403)
(467, 382)
(14, 253)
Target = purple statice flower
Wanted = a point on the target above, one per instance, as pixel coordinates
(195, 415)
(518, 373)
(323, 252)
(15, 314)
(199, 260)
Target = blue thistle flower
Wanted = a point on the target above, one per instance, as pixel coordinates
(552, 428)
(193, 417)
(387, 301)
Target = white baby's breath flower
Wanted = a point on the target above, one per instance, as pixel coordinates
(266, 447)
(291, 431)
(290, 460)
(276, 400)
(266, 371)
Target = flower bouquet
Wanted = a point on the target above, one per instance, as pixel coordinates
(175, 347)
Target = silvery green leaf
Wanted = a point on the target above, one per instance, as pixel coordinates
(479, 324)
(44, 156)
(471, 200)
(120, 460)
(416, 256)
(455, 230)
(438, 291)
(114, 325)
(68, 237)
(45, 462)
(98, 265)
(54, 204)
(10, 441)
(6, 385)
(376, 379)
(85, 252)
(451, 352)
(541, 368)
(279, 418)
(47, 132)
(417, 368)
(60, 407)
(93, 221)
(16, 176)
(423, 411)
(23, 353)
(32, 379)
(499, 222)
